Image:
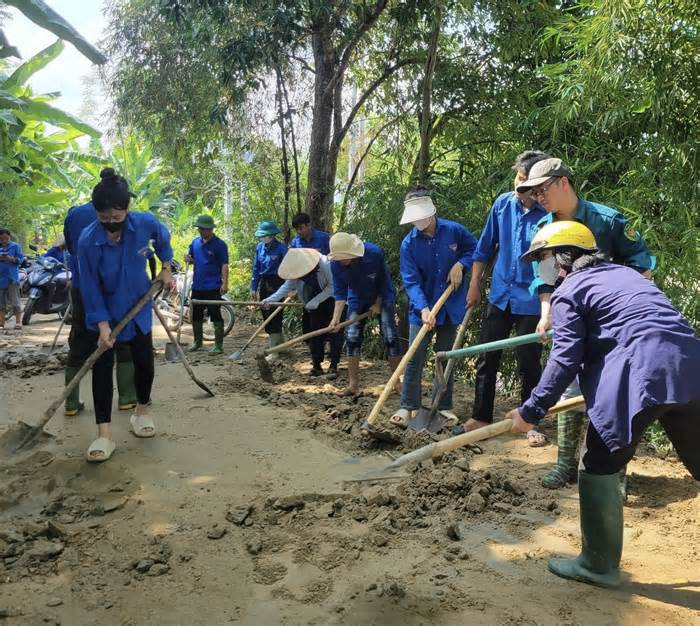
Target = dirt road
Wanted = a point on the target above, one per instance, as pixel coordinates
(237, 513)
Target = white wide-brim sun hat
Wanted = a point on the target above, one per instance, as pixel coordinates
(345, 246)
(298, 262)
(416, 209)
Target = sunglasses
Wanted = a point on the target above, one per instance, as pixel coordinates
(543, 189)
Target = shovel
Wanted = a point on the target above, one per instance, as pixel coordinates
(60, 328)
(181, 354)
(264, 366)
(438, 448)
(428, 419)
(22, 434)
(491, 346)
(238, 355)
(368, 426)
(233, 303)
(171, 353)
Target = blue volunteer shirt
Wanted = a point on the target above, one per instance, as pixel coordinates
(508, 231)
(113, 275)
(55, 253)
(615, 237)
(77, 220)
(629, 346)
(425, 265)
(361, 282)
(268, 257)
(9, 270)
(320, 241)
(209, 257)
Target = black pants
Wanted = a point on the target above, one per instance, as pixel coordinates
(213, 310)
(141, 347)
(82, 341)
(497, 325)
(268, 286)
(320, 318)
(681, 423)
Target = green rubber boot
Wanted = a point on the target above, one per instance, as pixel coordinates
(569, 427)
(198, 330)
(126, 385)
(218, 338)
(601, 515)
(73, 404)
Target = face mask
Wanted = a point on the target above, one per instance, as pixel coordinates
(266, 239)
(113, 227)
(548, 270)
(423, 224)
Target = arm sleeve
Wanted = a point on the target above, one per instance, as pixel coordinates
(161, 242)
(486, 246)
(70, 244)
(340, 284)
(93, 301)
(256, 272)
(386, 287)
(327, 291)
(285, 288)
(564, 360)
(630, 248)
(467, 245)
(223, 254)
(190, 250)
(412, 280)
(19, 255)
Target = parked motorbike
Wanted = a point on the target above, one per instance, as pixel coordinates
(48, 289)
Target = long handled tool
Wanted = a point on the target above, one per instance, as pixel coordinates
(233, 303)
(264, 367)
(491, 346)
(181, 354)
(368, 426)
(438, 448)
(60, 328)
(238, 355)
(428, 419)
(171, 352)
(22, 434)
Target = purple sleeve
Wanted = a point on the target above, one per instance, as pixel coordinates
(564, 360)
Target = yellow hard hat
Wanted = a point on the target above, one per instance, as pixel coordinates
(558, 234)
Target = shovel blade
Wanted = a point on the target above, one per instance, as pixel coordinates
(236, 356)
(426, 419)
(171, 353)
(264, 368)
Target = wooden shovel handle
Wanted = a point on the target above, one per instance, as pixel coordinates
(389, 387)
(232, 303)
(316, 333)
(268, 319)
(155, 287)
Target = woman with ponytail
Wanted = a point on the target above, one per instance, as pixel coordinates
(112, 257)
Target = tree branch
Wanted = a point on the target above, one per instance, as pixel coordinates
(304, 63)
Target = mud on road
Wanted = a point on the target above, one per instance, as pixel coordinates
(239, 511)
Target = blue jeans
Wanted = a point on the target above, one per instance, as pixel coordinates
(411, 388)
(387, 327)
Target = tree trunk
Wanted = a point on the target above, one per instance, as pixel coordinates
(285, 160)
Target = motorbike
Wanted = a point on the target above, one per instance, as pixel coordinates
(168, 303)
(48, 289)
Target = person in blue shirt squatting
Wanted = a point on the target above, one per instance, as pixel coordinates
(82, 342)
(268, 256)
(509, 228)
(308, 236)
(361, 279)
(209, 254)
(112, 255)
(637, 359)
(11, 258)
(308, 273)
(434, 254)
(551, 182)
(57, 251)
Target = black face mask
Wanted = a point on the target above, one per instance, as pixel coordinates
(113, 227)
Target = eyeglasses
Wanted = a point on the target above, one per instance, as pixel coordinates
(542, 190)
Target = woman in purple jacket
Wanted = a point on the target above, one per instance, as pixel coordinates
(637, 359)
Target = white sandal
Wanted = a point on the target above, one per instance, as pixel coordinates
(401, 418)
(105, 447)
(140, 425)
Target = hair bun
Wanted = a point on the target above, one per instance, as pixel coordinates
(108, 172)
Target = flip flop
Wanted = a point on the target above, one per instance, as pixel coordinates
(536, 439)
(401, 418)
(100, 445)
(140, 425)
